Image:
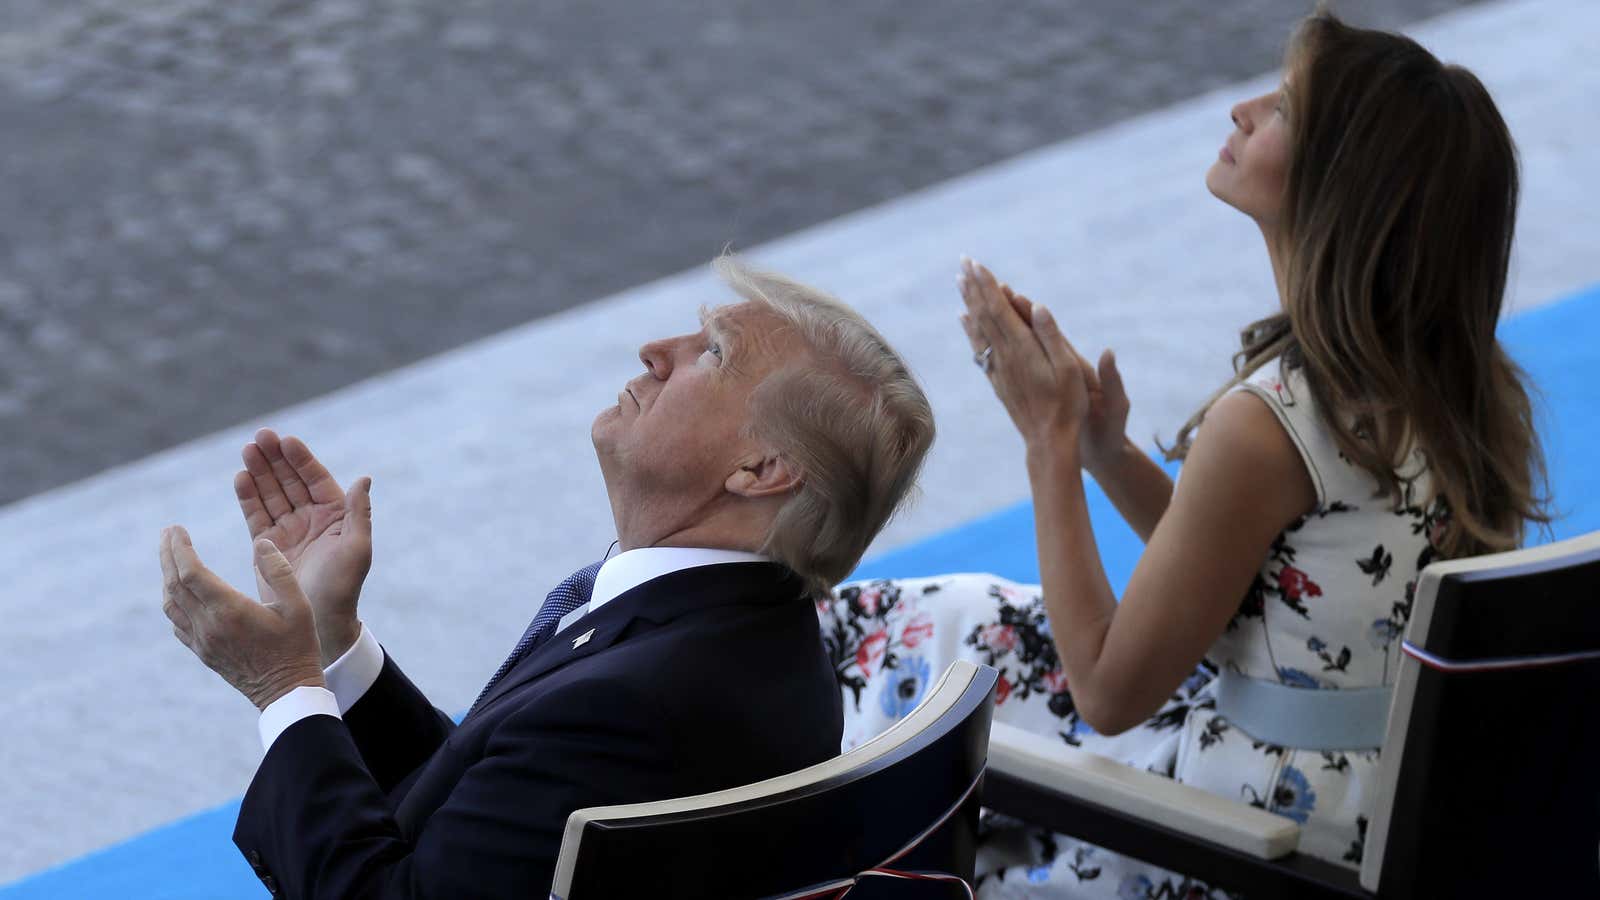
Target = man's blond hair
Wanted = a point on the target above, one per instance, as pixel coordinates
(847, 414)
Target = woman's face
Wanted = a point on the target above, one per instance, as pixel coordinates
(1251, 168)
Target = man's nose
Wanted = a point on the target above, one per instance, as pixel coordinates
(657, 359)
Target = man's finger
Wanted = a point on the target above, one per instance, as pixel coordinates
(174, 593)
(358, 515)
(267, 486)
(279, 575)
(170, 587)
(293, 487)
(194, 578)
(318, 480)
(185, 638)
(256, 517)
(176, 614)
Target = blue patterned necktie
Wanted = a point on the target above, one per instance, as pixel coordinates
(567, 596)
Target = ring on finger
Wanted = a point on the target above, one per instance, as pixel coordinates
(984, 359)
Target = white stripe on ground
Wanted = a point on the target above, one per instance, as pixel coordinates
(485, 487)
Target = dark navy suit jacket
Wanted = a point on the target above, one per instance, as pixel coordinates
(699, 680)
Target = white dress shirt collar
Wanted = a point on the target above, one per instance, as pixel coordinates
(626, 571)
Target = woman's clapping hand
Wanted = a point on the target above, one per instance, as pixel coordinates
(1056, 397)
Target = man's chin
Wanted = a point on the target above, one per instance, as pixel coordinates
(604, 440)
(607, 429)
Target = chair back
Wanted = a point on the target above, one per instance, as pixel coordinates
(1489, 782)
(799, 834)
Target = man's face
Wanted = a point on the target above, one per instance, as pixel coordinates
(678, 429)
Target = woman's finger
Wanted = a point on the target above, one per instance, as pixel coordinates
(983, 352)
(1062, 357)
(1022, 305)
(980, 329)
(996, 313)
(1111, 379)
(974, 336)
(1086, 370)
(968, 286)
(1014, 348)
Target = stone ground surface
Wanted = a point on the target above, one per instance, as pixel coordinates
(485, 490)
(216, 209)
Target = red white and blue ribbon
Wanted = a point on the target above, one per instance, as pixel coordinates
(1434, 661)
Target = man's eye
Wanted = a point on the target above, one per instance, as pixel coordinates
(715, 350)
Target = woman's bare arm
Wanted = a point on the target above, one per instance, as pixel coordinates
(1243, 484)
(1137, 486)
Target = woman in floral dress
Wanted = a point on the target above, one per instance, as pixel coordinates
(1374, 424)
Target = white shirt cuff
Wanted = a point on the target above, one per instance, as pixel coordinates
(299, 703)
(352, 674)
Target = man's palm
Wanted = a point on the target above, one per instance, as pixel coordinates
(289, 497)
(329, 560)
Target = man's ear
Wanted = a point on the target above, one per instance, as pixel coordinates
(764, 476)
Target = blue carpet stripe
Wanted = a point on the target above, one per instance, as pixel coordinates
(194, 858)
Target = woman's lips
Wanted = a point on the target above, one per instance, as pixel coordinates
(1226, 155)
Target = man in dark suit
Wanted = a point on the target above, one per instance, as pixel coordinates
(748, 468)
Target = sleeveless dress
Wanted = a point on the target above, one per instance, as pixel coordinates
(1326, 611)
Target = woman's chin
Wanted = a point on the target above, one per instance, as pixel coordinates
(1217, 184)
(1214, 182)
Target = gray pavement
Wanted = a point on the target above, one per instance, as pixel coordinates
(211, 210)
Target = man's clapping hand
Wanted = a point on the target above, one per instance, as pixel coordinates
(265, 650)
(288, 497)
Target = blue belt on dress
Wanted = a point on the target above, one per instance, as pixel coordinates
(1304, 718)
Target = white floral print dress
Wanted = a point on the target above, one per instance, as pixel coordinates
(1326, 611)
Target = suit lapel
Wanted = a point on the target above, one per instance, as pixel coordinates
(658, 600)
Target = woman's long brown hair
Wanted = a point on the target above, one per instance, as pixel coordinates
(1399, 209)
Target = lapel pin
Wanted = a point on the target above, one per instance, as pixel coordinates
(582, 639)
